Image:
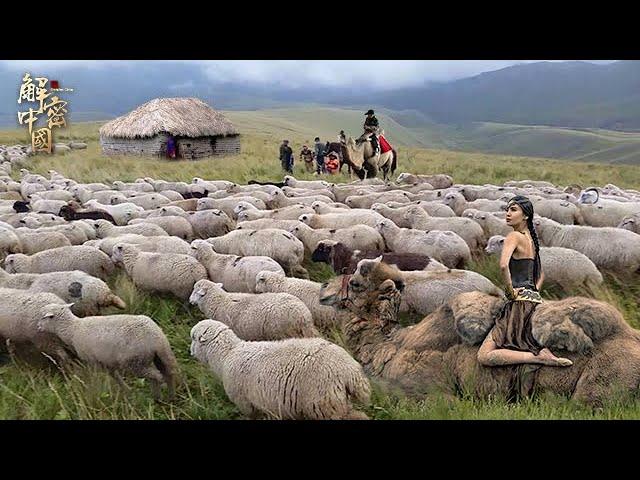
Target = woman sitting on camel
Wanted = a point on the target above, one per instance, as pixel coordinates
(511, 340)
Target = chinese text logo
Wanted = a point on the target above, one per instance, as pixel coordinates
(35, 90)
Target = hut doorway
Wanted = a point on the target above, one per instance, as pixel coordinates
(171, 147)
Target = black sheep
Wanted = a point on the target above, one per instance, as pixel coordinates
(68, 213)
(21, 207)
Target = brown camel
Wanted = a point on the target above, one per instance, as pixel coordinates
(440, 352)
(366, 163)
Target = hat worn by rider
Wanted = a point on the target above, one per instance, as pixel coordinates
(370, 112)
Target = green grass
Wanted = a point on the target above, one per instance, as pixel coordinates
(43, 392)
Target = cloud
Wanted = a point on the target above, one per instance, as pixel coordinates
(370, 74)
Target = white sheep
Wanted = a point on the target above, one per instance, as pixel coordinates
(263, 223)
(160, 272)
(264, 196)
(88, 294)
(164, 186)
(20, 311)
(303, 192)
(286, 213)
(265, 316)
(62, 259)
(459, 204)
(212, 185)
(466, 228)
(321, 207)
(74, 233)
(227, 204)
(280, 200)
(528, 183)
(145, 244)
(365, 201)
(280, 245)
(307, 378)
(173, 225)
(324, 317)
(562, 266)
(631, 223)
(561, 211)
(120, 343)
(612, 249)
(64, 195)
(445, 246)
(147, 201)
(437, 181)
(29, 241)
(490, 224)
(601, 212)
(210, 223)
(135, 186)
(107, 229)
(308, 184)
(341, 220)
(356, 237)
(237, 274)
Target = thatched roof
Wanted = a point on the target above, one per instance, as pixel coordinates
(187, 117)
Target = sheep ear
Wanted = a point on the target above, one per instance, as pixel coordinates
(378, 259)
(219, 285)
(69, 305)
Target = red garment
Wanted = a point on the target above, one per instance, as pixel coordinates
(384, 145)
(332, 164)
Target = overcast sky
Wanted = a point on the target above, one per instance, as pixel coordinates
(296, 73)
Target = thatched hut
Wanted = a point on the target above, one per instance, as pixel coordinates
(171, 127)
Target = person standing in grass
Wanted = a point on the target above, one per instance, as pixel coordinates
(319, 151)
(306, 155)
(286, 156)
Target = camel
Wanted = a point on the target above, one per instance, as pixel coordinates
(366, 163)
(440, 352)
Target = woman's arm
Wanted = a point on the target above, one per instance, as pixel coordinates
(540, 280)
(510, 244)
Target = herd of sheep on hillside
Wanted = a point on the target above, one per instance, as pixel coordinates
(236, 251)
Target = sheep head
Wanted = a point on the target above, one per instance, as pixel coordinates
(494, 245)
(51, 315)
(200, 290)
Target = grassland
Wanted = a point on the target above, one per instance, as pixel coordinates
(44, 392)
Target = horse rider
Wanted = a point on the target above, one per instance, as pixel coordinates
(371, 128)
(342, 137)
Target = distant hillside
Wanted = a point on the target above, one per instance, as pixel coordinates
(542, 141)
(326, 123)
(304, 124)
(569, 94)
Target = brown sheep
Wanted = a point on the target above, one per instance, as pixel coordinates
(441, 351)
(343, 260)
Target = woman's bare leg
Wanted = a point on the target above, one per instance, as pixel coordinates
(490, 355)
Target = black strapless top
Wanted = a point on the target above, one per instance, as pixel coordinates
(521, 270)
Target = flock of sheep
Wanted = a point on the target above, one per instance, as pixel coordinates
(236, 251)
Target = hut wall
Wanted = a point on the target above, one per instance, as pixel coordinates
(191, 148)
(187, 148)
(156, 145)
(229, 145)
